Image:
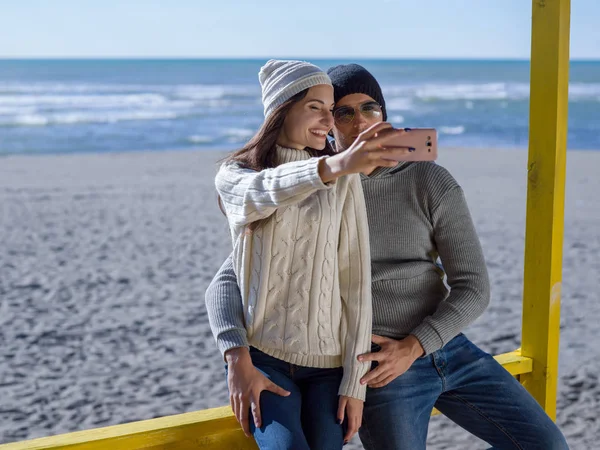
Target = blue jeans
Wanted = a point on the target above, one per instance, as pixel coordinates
(306, 419)
(469, 387)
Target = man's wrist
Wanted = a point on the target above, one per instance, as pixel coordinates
(417, 349)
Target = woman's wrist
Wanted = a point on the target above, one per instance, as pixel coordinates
(331, 168)
(237, 355)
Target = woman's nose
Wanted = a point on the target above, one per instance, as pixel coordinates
(327, 119)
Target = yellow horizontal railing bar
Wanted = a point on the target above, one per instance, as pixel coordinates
(207, 429)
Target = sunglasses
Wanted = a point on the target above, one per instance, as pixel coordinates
(369, 110)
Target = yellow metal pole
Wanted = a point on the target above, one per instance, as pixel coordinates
(545, 197)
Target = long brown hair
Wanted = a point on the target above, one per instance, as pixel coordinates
(260, 151)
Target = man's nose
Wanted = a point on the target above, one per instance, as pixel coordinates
(359, 122)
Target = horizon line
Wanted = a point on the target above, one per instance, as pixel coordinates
(260, 58)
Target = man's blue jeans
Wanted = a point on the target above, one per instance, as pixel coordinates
(306, 419)
(470, 388)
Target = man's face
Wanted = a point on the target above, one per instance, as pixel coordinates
(363, 110)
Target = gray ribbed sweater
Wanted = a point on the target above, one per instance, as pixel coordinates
(416, 212)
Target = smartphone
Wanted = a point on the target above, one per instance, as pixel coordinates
(423, 140)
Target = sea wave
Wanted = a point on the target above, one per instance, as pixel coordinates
(484, 91)
(85, 117)
(452, 130)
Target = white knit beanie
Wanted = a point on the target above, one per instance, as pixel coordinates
(280, 80)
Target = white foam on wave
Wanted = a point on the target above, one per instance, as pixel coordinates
(16, 110)
(199, 139)
(452, 130)
(214, 92)
(200, 91)
(581, 91)
(47, 109)
(234, 135)
(34, 120)
(399, 104)
(95, 101)
(70, 88)
(484, 91)
(71, 104)
(85, 117)
(487, 91)
(398, 96)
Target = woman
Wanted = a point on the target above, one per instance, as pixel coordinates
(301, 253)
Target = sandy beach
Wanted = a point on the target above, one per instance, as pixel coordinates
(105, 258)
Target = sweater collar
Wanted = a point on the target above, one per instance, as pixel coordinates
(286, 155)
(382, 171)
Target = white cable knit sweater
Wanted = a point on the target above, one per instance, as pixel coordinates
(305, 274)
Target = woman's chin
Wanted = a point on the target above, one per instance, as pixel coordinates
(318, 144)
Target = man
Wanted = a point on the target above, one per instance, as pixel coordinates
(421, 360)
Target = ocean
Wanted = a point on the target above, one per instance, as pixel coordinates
(81, 106)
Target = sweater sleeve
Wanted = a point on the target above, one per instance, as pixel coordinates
(462, 258)
(355, 289)
(225, 309)
(248, 195)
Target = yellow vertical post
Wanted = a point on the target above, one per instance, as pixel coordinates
(545, 197)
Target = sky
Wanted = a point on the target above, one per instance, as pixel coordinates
(282, 28)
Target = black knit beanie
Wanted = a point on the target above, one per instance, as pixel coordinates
(355, 79)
